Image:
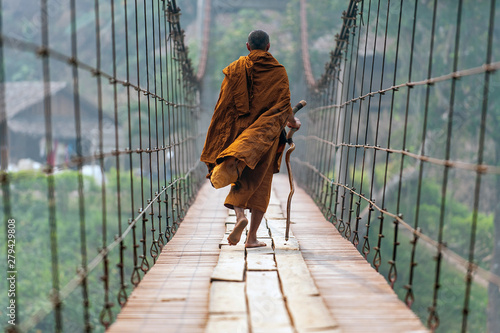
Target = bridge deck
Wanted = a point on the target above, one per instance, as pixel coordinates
(325, 287)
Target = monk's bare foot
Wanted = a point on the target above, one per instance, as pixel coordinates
(254, 244)
(235, 235)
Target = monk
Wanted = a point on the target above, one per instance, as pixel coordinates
(245, 139)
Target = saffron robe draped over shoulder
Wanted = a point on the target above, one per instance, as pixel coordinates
(253, 107)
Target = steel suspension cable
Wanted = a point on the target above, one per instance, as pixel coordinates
(377, 258)
(392, 275)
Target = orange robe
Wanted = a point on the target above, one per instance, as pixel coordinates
(249, 117)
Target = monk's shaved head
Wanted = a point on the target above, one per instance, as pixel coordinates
(258, 40)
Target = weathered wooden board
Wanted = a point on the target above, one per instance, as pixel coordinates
(281, 244)
(231, 219)
(267, 308)
(231, 264)
(261, 259)
(309, 313)
(274, 210)
(260, 250)
(227, 298)
(273, 200)
(275, 216)
(294, 274)
(227, 323)
(277, 227)
(229, 227)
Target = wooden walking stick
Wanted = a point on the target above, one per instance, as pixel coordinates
(296, 108)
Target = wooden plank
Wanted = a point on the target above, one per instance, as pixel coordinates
(227, 297)
(266, 304)
(229, 227)
(274, 210)
(274, 200)
(261, 259)
(231, 219)
(277, 227)
(294, 274)
(275, 216)
(260, 250)
(222, 323)
(231, 264)
(281, 244)
(310, 313)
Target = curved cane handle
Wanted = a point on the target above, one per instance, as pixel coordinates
(295, 109)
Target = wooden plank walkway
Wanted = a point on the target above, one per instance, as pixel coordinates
(200, 284)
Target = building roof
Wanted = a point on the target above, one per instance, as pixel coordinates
(23, 94)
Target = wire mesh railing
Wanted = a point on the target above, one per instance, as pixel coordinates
(99, 148)
(402, 152)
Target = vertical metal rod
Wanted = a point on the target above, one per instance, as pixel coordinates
(409, 297)
(158, 92)
(480, 160)
(135, 277)
(106, 316)
(358, 203)
(79, 156)
(366, 243)
(122, 293)
(392, 274)
(377, 259)
(49, 169)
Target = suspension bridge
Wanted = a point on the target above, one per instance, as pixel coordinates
(110, 224)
